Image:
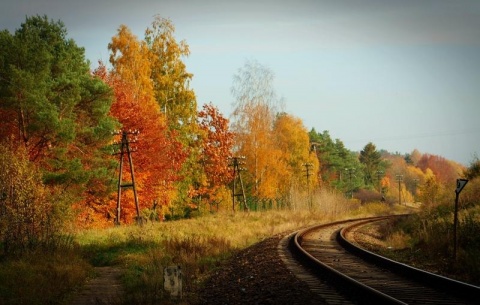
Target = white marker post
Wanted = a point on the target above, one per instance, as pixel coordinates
(172, 281)
(460, 185)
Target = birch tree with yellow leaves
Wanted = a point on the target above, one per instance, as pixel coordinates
(275, 144)
(291, 138)
(252, 121)
(171, 85)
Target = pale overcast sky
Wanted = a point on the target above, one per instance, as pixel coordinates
(401, 74)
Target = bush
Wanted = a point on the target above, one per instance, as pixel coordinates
(367, 196)
(26, 214)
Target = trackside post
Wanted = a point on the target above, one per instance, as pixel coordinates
(460, 185)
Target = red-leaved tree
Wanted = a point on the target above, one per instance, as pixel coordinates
(217, 143)
(158, 156)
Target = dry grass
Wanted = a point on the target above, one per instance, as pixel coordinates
(425, 240)
(197, 245)
(41, 278)
(399, 240)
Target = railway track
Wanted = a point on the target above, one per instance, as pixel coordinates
(362, 277)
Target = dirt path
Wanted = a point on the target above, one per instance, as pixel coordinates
(103, 289)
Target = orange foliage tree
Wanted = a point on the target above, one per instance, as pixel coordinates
(217, 143)
(425, 177)
(158, 155)
(445, 171)
(257, 146)
(411, 177)
(155, 73)
(293, 144)
(171, 83)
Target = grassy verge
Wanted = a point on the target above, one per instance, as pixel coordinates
(425, 241)
(42, 277)
(197, 245)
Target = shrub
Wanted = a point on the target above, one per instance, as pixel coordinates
(367, 196)
(26, 214)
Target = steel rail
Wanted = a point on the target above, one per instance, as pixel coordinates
(365, 292)
(457, 288)
(360, 289)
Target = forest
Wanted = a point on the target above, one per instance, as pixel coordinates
(65, 127)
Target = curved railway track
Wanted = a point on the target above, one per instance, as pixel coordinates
(362, 277)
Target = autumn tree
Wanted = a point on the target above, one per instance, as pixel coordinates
(170, 77)
(415, 156)
(429, 191)
(159, 155)
(217, 144)
(413, 178)
(254, 112)
(26, 215)
(400, 167)
(291, 138)
(131, 61)
(52, 106)
(171, 85)
(445, 171)
(471, 193)
(473, 171)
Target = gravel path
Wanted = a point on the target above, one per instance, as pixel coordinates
(256, 275)
(103, 289)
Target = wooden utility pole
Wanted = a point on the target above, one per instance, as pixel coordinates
(350, 173)
(415, 180)
(379, 176)
(235, 162)
(399, 180)
(124, 149)
(308, 166)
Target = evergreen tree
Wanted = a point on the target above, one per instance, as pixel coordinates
(371, 160)
(54, 107)
(339, 167)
